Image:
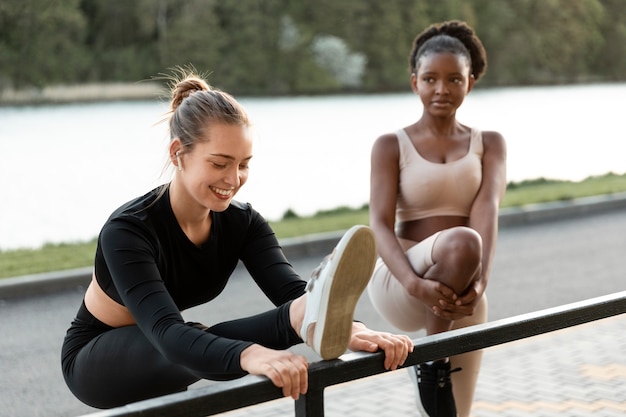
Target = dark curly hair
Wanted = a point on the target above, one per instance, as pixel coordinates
(453, 36)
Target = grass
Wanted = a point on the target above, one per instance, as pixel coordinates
(542, 190)
(58, 257)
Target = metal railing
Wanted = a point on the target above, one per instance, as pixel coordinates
(251, 390)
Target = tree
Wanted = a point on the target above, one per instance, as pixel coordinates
(121, 39)
(552, 41)
(386, 38)
(250, 45)
(301, 46)
(189, 33)
(40, 42)
(611, 59)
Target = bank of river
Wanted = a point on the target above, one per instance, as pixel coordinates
(97, 92)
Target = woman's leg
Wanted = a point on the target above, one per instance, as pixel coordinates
(121, 366)
(456, 257)
(389, 297)
(464, 383)
(107, 367)
(453, 257)
(272, 329)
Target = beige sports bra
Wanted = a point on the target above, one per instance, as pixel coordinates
(429, 189)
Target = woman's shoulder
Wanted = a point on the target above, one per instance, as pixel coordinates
(493, 139)
(493, 144)
(386, 143)
(139, 213)
(134, 207)
(491, 135)
(389, 137)
(238, 210)
(241, 222)
(239, 213)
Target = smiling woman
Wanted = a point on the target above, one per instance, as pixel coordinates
(210, 172)
(176, 247)
(211, 147)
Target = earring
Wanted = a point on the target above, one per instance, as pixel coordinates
(180, 165)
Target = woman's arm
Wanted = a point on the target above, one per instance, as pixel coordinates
(267, 264)
(384, 177)
(484, 212)
(130, 254)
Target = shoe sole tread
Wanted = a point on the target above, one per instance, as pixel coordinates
(354, 274)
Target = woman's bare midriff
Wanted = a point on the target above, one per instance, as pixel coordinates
(104, 308)
(418, 230)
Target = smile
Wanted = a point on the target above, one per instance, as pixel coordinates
(221, 192)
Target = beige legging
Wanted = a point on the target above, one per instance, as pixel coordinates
(407, 313)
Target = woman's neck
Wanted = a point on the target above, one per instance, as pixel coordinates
(438, 126)
(193, 219)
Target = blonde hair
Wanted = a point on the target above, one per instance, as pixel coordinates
(195, 105)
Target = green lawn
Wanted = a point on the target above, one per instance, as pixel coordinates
(80, 254)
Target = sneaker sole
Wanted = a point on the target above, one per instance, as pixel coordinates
(352, 274)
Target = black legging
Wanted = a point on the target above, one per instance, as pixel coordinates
(107, 367)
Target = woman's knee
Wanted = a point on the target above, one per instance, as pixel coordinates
(457, 255)
(460, 245)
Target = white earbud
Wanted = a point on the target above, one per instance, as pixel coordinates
(180, 165)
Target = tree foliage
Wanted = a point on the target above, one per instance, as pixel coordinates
(266, 47)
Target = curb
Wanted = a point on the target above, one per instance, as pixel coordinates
(561, 210)
(322, 243)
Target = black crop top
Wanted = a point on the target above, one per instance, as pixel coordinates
(145, 262)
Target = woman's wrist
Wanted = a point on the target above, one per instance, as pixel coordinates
(247, 355)
(357, 325)
(414, 286)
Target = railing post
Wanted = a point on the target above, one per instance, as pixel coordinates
(310, 404)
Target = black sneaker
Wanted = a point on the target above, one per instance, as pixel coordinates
(435, 388)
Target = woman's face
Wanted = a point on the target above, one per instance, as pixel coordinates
(217, 166)
(442, 81)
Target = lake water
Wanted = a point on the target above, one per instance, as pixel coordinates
(66, 167)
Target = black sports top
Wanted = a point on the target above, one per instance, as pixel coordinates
(145, 262)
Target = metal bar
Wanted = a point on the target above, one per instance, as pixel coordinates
(310, 404)
(251, 390)
(360, 365)
(205, 401)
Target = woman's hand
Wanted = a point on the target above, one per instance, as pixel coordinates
(463, 306)
(285, 369)
(396, 347)
(434, 294)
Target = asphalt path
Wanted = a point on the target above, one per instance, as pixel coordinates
(537, 266)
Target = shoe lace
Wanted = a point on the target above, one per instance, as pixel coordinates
(439, 376)
(443, 376)
(316, 273)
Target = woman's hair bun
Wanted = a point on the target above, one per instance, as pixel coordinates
(183, 88)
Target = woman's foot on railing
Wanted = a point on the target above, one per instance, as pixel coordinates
(334, 290)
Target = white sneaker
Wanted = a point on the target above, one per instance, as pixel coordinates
(334, 290)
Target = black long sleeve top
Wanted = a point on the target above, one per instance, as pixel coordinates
(145, 262)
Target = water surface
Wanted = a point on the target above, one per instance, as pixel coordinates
(66, 167)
